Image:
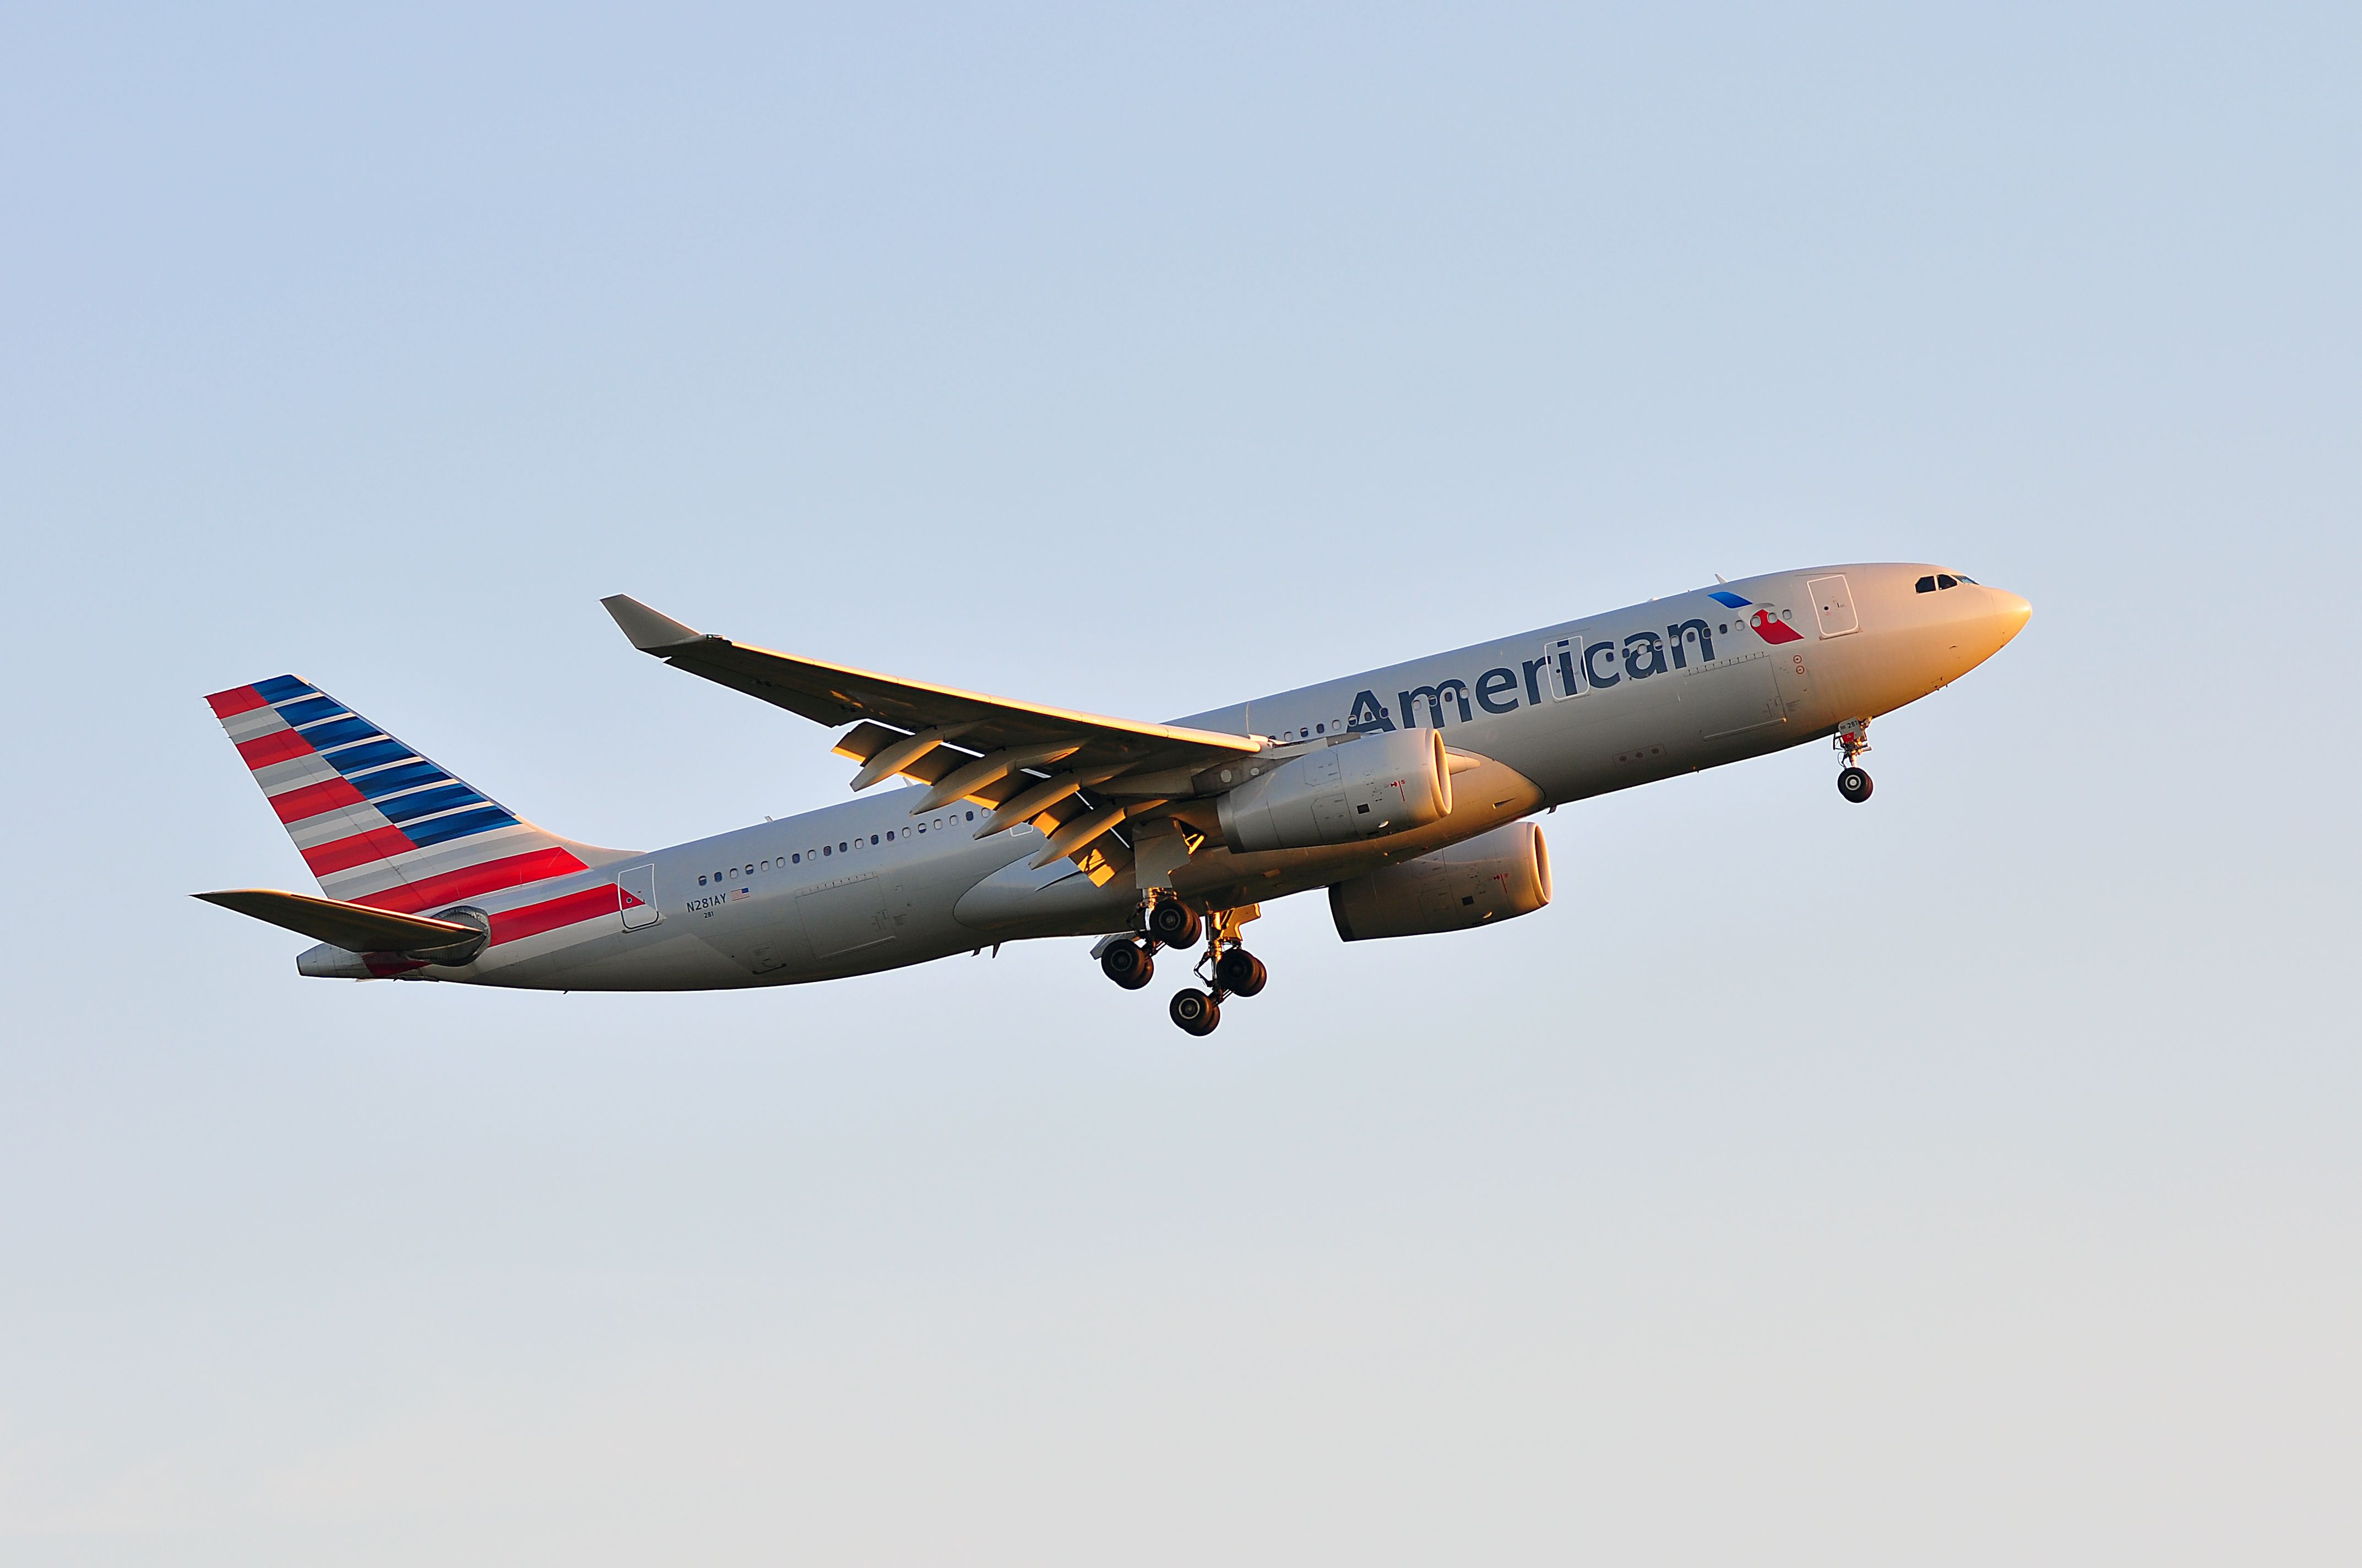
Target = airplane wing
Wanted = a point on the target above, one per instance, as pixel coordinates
(1076, 775)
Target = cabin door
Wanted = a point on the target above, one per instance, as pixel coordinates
(1833, 606)
(636, 890)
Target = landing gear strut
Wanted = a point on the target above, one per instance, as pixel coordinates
(1852, 740)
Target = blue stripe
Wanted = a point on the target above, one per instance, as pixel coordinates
(427, 802)
(368, 754)
(339, 732)
(459, 825)
(308, 710)
(279, 688)
(1729, 600)
(406, 775)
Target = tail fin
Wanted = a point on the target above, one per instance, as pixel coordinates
(379, 824)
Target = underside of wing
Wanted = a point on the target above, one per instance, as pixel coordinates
(1076, 777)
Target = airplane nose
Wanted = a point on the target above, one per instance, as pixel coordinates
(2009, 614)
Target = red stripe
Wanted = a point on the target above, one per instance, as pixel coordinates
(312, 799)
(234, 701)
(277, 747)
(515, 870)
(377, 844)
(568, 909)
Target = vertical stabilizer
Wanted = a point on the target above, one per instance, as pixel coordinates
(379, 824)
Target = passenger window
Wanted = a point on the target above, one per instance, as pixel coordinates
(825, 849)
(797, 860)
(840, 846)
(1945, 580)
(971, 817)
(889, 835)
(701, 881)
(1924, 585)
(873, 837)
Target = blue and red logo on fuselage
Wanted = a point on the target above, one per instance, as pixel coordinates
(1767, 625)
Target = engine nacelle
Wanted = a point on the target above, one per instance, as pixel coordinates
(1376, 784)
(1493, 877)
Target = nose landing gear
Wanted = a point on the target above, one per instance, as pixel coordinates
(1852, 740)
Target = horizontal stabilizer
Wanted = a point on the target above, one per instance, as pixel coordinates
(353, 927)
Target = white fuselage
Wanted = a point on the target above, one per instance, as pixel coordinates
(1664, 687)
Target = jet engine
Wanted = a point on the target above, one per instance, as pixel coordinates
(1370, 784)
(1493, 877)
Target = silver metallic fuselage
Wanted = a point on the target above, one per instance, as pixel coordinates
(778, 902)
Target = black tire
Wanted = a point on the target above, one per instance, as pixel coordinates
(1129, 965)
(1174, 924)
(1854, 785)
(1195, 1012)
(1241, 974)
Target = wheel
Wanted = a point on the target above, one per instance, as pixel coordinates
(1174, 923)
(1129, 965)
(1195, 1012)
(1854, 785)
(1241, 974)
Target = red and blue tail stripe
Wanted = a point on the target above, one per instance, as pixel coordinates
(378, 823)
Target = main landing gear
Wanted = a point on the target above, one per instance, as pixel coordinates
(1227, 968)
(1852, 740)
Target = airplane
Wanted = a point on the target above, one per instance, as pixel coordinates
(1406, 793)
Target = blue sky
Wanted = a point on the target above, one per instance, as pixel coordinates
(1962, 1177)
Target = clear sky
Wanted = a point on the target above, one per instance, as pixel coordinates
(1967, 1178)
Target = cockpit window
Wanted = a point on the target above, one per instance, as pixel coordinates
(1966, 578)
(1945, 580)
(1924, 585)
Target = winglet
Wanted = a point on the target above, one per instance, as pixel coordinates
(650, 633)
